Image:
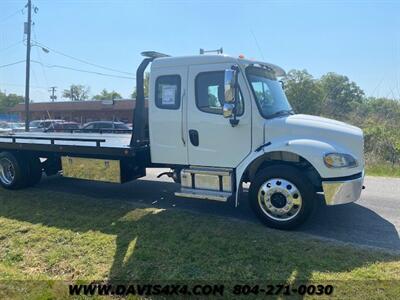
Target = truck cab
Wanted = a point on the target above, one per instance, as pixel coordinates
(221, 121)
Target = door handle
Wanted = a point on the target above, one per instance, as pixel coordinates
(194, 137)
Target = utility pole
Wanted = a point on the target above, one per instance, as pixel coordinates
(72, 93)
(53, 90)
(27, 29)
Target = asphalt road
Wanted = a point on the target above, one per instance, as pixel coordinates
(374, 220)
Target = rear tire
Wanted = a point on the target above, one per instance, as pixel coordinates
(14, 171)
(282, 197)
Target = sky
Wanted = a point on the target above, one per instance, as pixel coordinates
(359, 39)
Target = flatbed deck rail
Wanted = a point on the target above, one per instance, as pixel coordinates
(72, 146)
(51, 139)
(100, 131)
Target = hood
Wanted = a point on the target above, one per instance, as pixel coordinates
(343, 137)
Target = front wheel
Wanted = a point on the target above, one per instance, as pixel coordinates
(282, 197)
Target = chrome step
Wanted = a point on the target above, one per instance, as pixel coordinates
(207, 178)
(204, 194)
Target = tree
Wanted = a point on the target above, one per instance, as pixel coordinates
(303, 92)
(146, 86)
(106, 95)
(341, 95)
(77, 92)
(8, 101)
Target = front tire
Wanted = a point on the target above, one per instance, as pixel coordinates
(282, 197)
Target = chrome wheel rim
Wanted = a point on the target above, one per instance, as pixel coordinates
(7, 171)
(279, 199)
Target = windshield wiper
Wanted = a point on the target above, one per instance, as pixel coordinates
(282, 112)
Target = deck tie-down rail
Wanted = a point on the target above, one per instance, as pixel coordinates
(51, 139)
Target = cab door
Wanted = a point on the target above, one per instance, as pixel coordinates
(212, 141)
(167, 123)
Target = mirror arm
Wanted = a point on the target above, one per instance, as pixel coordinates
(234, 122)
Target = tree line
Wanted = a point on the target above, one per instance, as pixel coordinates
(336, 96)
(78, 92)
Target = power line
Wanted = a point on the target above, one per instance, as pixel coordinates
(12, 15)
(11, 64)
(40, 58)
(257, 44)
(81, 70)
(10, 46)
(84, 61)
(68, 68)
(32, 86)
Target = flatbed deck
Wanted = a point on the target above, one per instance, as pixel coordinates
(71, 143)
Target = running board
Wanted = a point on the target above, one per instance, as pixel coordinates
(206, 183)
(204, 194)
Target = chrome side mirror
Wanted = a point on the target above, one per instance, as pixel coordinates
(228, 110)
(229, 85)
(231, 92)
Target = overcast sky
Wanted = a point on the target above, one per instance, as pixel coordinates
(359, 39)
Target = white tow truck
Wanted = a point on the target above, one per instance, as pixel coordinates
(217, 122)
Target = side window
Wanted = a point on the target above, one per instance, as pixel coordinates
(168, 92)
(210, 93)
(106, 126)
(121, 126)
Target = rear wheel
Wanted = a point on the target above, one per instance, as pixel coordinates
(281, 196)
(14, 171)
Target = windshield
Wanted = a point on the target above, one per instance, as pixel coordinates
(270, 98)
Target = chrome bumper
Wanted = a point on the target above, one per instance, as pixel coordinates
(341, 192)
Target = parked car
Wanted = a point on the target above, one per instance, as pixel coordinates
(17, 126)
(105, 126)
(63, 127)
(4, 128)
(43, 125)
(8, 127)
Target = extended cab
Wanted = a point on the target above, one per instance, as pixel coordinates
(218, 122)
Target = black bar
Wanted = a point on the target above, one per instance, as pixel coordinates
(139, 119)
(52, 139)
(71, 149)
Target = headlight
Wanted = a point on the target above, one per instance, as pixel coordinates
(340, 160)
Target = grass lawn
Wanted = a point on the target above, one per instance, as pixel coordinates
(54, 236)
(382, 169)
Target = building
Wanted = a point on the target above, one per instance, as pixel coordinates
(79, 111)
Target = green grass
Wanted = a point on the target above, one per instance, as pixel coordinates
(382, 169)
(53, 236)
